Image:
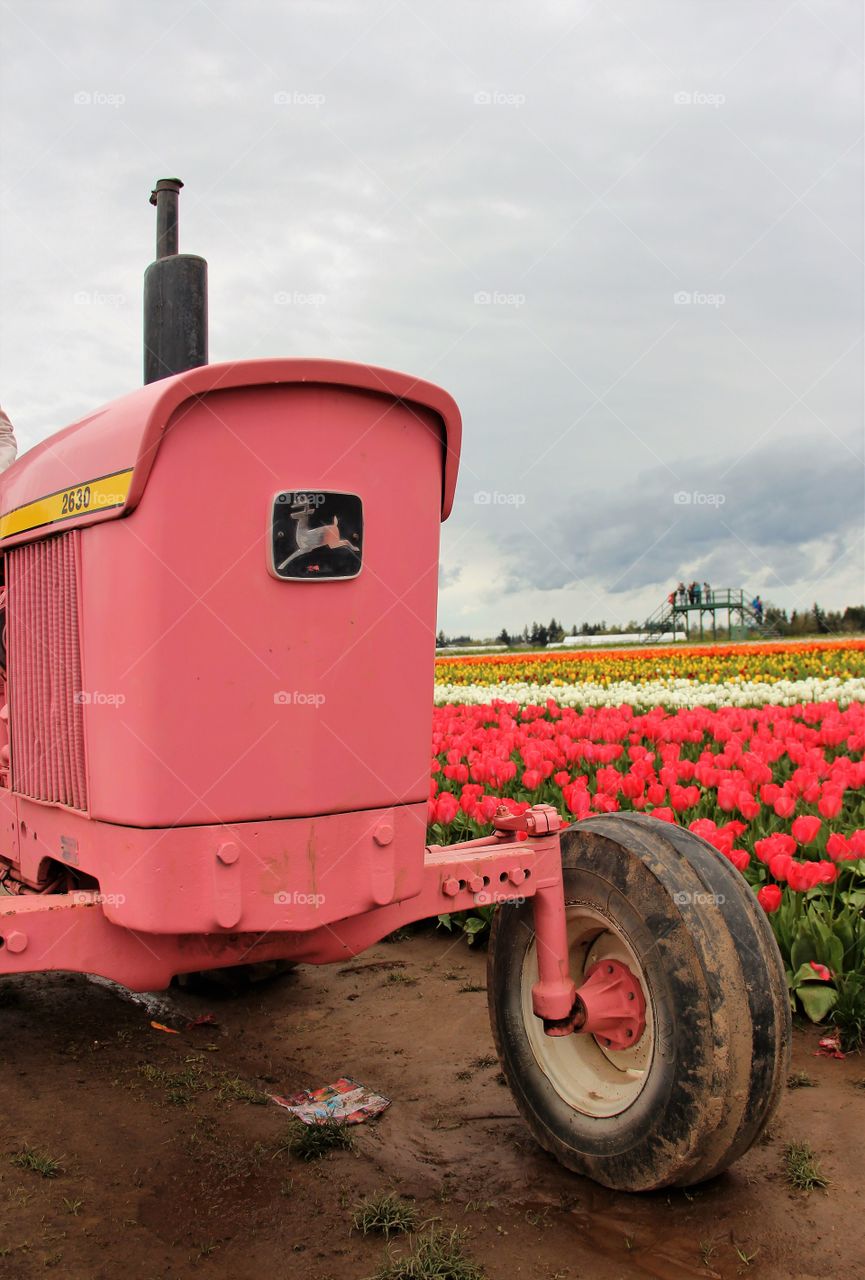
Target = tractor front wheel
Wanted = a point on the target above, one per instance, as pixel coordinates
(703, 1080)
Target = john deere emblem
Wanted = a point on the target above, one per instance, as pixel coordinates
(316, 535)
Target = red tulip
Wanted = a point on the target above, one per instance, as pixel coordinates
(806, 828)
(857, 843)
(780, 864)
(447, 807)
(769, 898)
(838, 847)
(766, 848)
(785, 806)
(740, 858)
(748, 806)
(821, 971)
(799, 877)
(829, 804)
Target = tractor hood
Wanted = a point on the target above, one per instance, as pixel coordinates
(97, 468)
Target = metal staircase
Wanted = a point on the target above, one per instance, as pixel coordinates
(704, 617)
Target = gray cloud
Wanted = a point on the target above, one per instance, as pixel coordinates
(772, 516)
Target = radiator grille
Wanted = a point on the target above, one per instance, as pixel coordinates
(44, 669)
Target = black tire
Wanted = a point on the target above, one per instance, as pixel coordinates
(716, 1049)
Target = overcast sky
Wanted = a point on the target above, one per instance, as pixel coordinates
(628, 239)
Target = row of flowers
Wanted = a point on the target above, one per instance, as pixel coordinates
(670, 692)
(705, 664)
(779, 790)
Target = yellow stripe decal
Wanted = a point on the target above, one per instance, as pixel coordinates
(100, 494)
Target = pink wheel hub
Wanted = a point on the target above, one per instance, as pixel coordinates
(613, 1005)
(610, 1006)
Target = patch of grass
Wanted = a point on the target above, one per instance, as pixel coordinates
(398, 935)
(403, 979)
(465, 1075)
(38, 1161)
(800, 1080)
(849, 1012)
(180, 1087)
(312, 1141)
(183, 1085)
(802, 1168)
(233, 1089)
(436, 1254)
(72, 1206)
(488, 1060)
(471, 986)
(385, 1213)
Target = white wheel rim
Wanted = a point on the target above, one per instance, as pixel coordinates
(593, 1080)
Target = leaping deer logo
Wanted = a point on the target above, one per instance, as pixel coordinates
(307, 539)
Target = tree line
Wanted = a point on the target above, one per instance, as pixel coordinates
(804, 622)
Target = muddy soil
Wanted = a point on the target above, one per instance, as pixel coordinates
(171, 1167)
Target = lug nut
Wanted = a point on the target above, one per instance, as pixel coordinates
(451, 888)
(516, 875)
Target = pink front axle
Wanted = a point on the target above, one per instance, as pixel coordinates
(87, 931)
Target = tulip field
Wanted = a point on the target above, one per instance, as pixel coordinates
(756, 747)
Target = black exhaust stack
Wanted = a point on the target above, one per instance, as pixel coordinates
(175, 295)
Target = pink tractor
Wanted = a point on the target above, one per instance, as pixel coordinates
(220, 601)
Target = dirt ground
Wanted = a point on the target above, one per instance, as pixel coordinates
(170, 1167)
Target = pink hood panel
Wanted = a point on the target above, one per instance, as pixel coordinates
(97, 468)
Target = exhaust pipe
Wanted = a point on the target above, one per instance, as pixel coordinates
(175, 295)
